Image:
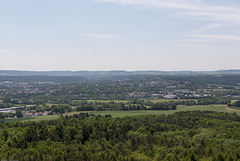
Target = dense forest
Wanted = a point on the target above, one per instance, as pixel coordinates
(196, 135)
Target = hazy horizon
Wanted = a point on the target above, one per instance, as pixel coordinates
(129, 35)
(119, 70)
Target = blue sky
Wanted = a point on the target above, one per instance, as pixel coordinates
(119, 34)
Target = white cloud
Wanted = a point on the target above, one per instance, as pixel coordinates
(102, 36)
(198, 35)
(204, 28)
(217, 37)
(194, 9)
(218, 15)
(3, 51)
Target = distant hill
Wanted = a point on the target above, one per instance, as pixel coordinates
(109, 73)
(231, 71)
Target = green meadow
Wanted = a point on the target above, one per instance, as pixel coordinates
(218, 108)
(34, 118)
(167, 100)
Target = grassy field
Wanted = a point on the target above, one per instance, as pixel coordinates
(19, 119)
(35, 118)
(108, 101)
(50, 104)
(234, 108)
(219, 108)
(167, 100)
(75, 112)
(126, 101)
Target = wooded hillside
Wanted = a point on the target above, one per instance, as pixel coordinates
(196, 135)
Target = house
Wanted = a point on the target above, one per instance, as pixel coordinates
(24, 112)
(171, 96)
(46, 113)
(38, 114)
(28, 114)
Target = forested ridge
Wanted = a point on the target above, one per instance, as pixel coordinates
(193, 135)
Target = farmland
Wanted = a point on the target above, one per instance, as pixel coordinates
(167, 100)
(36, 118)
(218, 108)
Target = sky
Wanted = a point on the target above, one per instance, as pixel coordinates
(166, 35)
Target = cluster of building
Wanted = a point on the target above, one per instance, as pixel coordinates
(31, 113)
(11, 87)
(9, 110)
(184, 93)
(137, 94)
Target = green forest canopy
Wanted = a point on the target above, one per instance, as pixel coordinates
(190, 135)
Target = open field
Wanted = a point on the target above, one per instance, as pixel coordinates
(108, 101)
(221, 90)
(50, 104)
(19, 119)
(34, 118)
(126, 101)
(167, 100)
(218, 108)
(75, 112)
